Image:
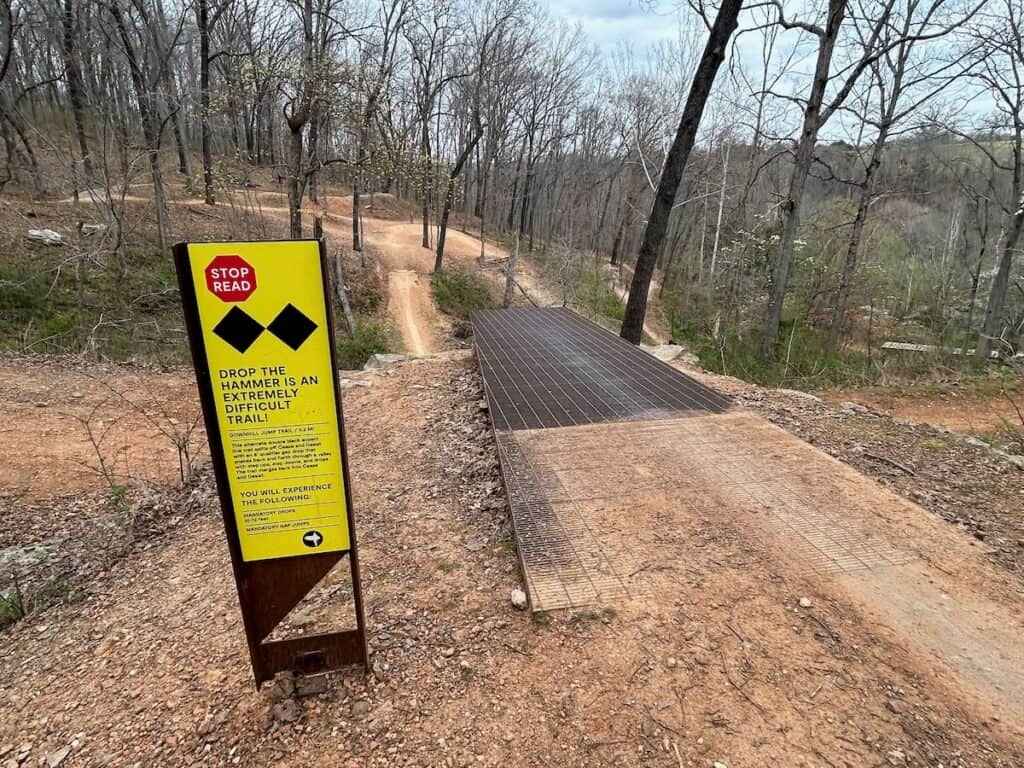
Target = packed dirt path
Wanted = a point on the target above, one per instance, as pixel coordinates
(395, 239)
(398, 245)
(720, 662)
(408, 306)
(956, 408)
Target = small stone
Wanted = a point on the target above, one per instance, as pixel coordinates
(56, 758)
(671, 662)
(519, 601)
(719, 765)
(892, 706)
(77, 395)
(313, 685)
(896, 757)
(382, 361)
(448, 652)
(805, 602)
(285, 711)
(360, 709)
(798, 394)
(979, 535)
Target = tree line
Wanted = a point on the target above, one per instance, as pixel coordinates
(773, 161)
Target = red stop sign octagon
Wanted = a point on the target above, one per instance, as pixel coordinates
(230, 278)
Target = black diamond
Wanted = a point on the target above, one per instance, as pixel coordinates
(292, 327)
(238, 329)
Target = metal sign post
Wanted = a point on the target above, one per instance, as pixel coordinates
(258, 317)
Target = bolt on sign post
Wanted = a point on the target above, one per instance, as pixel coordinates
(259, 323)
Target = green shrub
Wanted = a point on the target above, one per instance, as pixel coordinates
(24, 297)
(459, 293)
(595, 296)
(800, 364)
(370, 338)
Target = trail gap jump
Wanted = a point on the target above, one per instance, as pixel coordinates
(610, 457)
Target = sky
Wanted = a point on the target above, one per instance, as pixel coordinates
(640, 23)
(609, 22)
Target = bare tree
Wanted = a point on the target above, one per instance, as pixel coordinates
(721, 30)
(899, 83)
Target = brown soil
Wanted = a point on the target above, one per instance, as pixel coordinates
(960, 411)
(715, 661)
(390, 232)
(135, 418)
(412, 310)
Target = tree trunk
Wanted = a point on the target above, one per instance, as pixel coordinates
(798, 179)
(718, 223)
(76, 87)
(510, 270)
(427, 175)
(295, 185)
(203, 22)
(450, 195)
(975, 281)
(342, 291)
(1000, 283)
(357, 229)
(675, 163)
(867, 191)
(150, 124)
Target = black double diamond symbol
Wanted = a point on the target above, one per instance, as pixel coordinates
(292, 327)
(240, 330)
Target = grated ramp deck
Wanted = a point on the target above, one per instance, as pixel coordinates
(551, 368)
(547, 368)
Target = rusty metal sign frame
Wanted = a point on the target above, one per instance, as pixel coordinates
(269, 589)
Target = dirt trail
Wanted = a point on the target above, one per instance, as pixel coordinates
(408, 263)
(966, 411)
(877, 570)
(399, 244)
(406, 307)
(713, 659)
(656, 336)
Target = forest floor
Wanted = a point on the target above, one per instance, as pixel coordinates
(749, 661)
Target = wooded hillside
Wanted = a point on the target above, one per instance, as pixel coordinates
(857, 177)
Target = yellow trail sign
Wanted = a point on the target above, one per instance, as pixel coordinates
(259, 324)
(263, 323)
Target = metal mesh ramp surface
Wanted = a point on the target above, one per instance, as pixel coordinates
(551, 368)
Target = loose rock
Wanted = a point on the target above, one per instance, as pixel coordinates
(519, 601)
